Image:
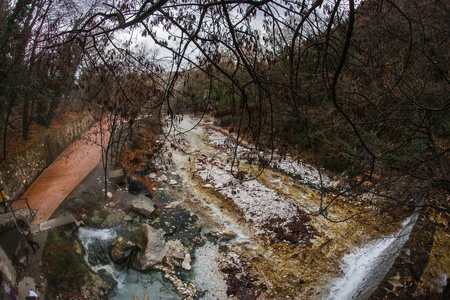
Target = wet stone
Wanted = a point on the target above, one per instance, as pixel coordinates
(107, 278)
(164, 196)
(92, 259)
(221, 236)
(121, 249)
(135, 187)
(97, 254)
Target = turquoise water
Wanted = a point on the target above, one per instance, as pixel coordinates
(132, 281)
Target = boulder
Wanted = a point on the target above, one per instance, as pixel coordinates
(143, 205)
(155, 249)
(121, 249)
(135, 187)
(117, 176)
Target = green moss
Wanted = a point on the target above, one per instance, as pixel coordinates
(138, 237)
(63, 266)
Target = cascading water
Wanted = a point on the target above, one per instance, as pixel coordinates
(130, 282)
(95, 243)
(365, 268)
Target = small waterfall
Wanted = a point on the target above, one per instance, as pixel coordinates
(130, 282)
(96, 242)
(365, 268)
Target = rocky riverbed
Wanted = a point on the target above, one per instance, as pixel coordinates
(216, 236)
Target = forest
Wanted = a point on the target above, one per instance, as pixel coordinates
(359, 89)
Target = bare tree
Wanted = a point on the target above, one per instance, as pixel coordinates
(119, 95)
(325, 76)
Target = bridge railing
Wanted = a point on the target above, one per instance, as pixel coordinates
(8, 205)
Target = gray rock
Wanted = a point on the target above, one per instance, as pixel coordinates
(143, 205)
(117, 176)
(92, 259)
(155, 249)
(224, 248)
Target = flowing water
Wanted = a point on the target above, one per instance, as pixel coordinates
(281, 249)
(365, 268)
(130, 282)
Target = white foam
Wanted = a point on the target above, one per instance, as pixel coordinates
(366, 267)
(99, 234)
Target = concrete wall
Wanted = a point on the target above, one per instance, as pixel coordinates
(19, 172)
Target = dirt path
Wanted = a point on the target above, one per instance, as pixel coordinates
(63, 176)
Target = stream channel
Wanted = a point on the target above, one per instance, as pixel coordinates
(261, 238)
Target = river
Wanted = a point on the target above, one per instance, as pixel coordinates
(281, 249)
